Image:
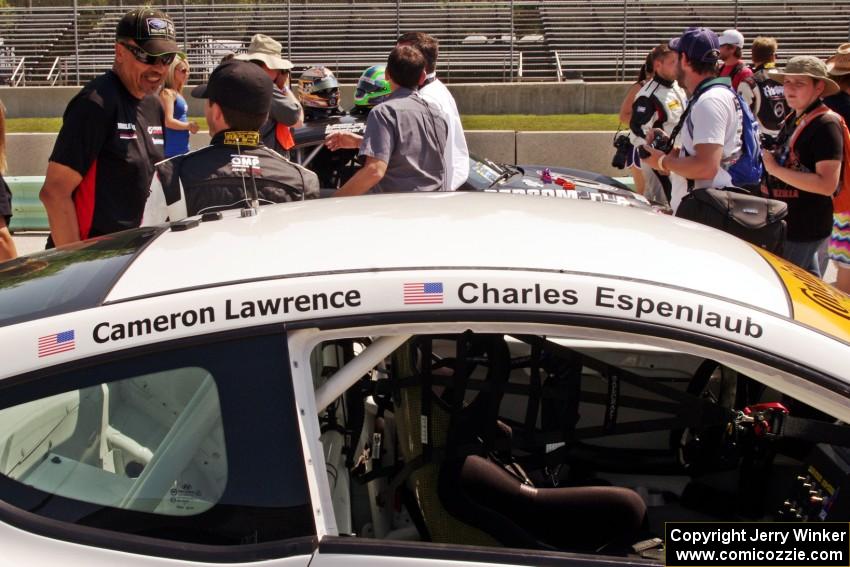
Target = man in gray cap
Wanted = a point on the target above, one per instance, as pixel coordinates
(286, 111)
(101, 167)
(236, 168)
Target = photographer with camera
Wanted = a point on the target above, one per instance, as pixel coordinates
(625, 155)
(709, 132)
(657, 105)
(804, 170)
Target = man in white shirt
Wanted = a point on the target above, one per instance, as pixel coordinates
(710, 140)
(435, 92)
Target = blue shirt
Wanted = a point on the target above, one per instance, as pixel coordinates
(177, 141)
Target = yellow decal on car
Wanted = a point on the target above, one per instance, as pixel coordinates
(814, 303)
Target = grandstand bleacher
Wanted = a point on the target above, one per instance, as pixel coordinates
(496, 41)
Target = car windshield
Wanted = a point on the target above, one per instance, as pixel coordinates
(77, 276)
(483, 173)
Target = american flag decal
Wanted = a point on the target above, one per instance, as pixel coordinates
(56, 343)
(423, 292)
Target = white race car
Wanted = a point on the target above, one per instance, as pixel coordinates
(418, 380)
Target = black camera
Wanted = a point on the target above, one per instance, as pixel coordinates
(769, 142)
(660, 142)
(624, 148)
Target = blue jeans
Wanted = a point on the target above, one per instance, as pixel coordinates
(804, 254)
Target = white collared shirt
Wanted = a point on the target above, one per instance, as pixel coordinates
(457, 152)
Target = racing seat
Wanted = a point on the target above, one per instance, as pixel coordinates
(442, 527)
(478, 488)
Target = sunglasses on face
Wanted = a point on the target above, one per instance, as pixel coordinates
(143, 56)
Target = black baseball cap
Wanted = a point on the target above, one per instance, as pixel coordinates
(151, 29)
(238, 85)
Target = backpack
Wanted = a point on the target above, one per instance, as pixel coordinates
(772, 106)
(747, 169)
(841, 198)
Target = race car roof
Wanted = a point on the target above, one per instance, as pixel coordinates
(454, 230)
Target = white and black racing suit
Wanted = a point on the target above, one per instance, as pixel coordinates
(658, 104)
(225, 175)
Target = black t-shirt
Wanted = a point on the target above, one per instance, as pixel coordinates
(809, 214)
(840, 103)
(113, 140)
(5, 201)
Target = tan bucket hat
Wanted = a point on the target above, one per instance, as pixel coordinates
(268, 50)
(839, 64)
(807, 66)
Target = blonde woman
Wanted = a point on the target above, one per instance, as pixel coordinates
(177, 125)
(7, 245)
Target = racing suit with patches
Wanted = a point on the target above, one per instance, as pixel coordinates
(225, 175)
(658, 104)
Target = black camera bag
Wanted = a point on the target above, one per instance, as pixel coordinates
(757, 220)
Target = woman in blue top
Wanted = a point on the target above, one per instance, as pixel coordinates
(177, 124)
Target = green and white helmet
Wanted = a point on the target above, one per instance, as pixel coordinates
(372, 88)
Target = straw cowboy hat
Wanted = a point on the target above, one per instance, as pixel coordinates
(266, 49)
(839, 64)
(807, 66)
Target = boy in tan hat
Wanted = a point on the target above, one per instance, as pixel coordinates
(838, 249)
(804, 170)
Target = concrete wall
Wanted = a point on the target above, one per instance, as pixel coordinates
(28, 153)
(491, 98)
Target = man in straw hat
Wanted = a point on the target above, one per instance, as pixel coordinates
(285, 111)
(804, 169)
(838, 250)
(838, 67)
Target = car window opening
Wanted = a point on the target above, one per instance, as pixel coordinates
(538, 442)
(162, 445)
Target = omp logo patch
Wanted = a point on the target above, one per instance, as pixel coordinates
(240, 163)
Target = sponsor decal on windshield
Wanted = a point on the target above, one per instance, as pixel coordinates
(814, 303)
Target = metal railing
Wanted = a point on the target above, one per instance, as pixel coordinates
(19, 74)
(559, 73)
(57, 70)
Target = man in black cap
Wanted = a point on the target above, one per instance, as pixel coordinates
(236, 168)
(101, 167)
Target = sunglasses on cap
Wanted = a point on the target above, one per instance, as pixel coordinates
(143, 56)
